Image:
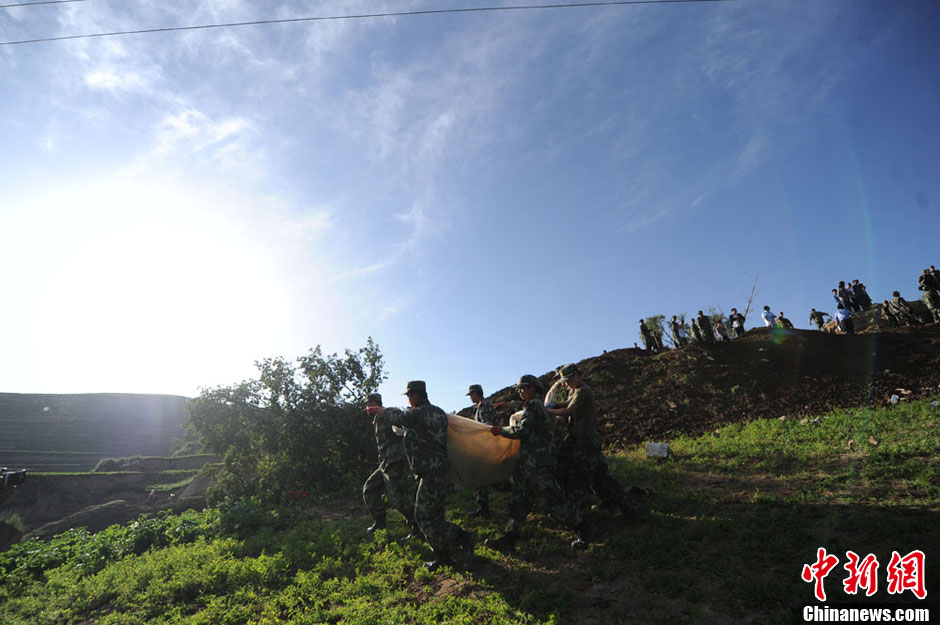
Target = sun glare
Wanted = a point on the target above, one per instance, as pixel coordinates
(155, 287)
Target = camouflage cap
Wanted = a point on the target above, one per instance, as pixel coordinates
(416, 386)
(569, 371)
(527, 380)
(475, 388)
(374, 398)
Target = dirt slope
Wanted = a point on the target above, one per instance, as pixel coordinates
(767, 373)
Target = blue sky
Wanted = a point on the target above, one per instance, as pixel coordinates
(485, 194)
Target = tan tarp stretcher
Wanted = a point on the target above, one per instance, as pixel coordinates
(477, 458)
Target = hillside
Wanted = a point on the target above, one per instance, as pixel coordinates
(73, 432)
(721, 541)
(641, 397)
(769, 373)
(740, 505)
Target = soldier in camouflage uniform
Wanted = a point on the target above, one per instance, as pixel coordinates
(582, 460)
(533, 480)
(930, 285)
(483, 412)
(888, 316)
(695, 330)
(390, 476)
(818, 318)
(901, 310)
(426, 444)
(931, 299)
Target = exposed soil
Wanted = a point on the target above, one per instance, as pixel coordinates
(49, 504)
(769, 373)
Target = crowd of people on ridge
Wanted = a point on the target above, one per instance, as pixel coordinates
(560, 462)
(850, 298)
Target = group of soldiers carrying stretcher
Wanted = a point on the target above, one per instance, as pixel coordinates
(556, 461)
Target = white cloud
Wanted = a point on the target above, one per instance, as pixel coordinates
(387, 308)
(111, 80)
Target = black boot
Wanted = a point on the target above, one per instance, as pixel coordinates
(586, 533)
(482, 512)
(414, 532)
(440, 559)
(505, 543)
(379, 524)
(467, 541)
(628, 509)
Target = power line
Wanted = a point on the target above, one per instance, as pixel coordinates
(351, 17)
(31, 4)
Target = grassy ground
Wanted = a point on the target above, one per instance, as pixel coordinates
(733, 518)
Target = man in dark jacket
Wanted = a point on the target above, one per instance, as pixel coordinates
(736, 323)
(705, 327)
(649, 343)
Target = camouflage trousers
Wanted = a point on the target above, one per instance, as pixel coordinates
(903, 317)
(539, 486)
(429, 513)
(583, 470)
(932, 300)
(389, 480)
(482, 498)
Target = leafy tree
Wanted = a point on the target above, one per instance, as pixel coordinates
(715, 314)
(300, 426)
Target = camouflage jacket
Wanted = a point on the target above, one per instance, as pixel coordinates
(485, 413)
(535, 431)
(425, 438)
(391, 449)
(817, 317)
(898, 306)
(695, 330)
(931, 299)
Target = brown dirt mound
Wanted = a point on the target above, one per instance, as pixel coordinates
(768, 373)
(9, 535)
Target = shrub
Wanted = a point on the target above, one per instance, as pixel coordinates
(299, 426)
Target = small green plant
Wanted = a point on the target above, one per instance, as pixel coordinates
(14, 520)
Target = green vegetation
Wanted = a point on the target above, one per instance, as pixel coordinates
(734, 516)
(13, 520)
(299, 426)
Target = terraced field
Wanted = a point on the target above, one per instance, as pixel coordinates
(73, 432)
